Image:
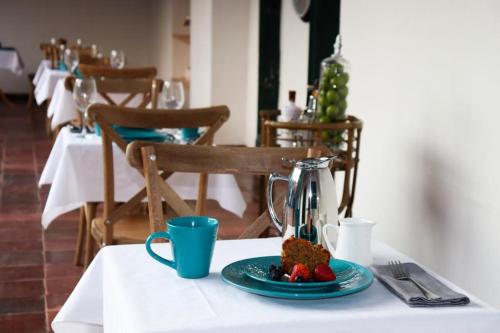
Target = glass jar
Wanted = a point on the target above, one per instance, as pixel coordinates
(333, 91)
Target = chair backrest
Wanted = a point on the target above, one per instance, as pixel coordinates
(149, 89)
(115, 73)
(106, 116)
(50, 52)
(154, 157)
(347, 146)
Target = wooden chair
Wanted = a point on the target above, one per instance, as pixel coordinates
(151, 158)
(115, 226)
(149, 90)
(347, 150)
(114, 73)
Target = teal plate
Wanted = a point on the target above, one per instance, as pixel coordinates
(258, 269)
(235, 274)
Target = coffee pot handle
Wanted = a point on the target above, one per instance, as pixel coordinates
(274, 176)
(331, 248)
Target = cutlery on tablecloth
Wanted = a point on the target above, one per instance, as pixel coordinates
(401, 273)
(394, 278)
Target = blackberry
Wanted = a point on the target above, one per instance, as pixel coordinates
(276, 272)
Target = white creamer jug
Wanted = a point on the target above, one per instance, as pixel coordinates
(353, 240)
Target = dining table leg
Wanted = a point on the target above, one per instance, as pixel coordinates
(90, 212)
(82, 231)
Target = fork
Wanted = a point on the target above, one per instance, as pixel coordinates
(400, 273)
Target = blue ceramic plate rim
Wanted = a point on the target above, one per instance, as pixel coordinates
(276, 260)
(234, 274)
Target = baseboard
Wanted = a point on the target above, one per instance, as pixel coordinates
(17, 97)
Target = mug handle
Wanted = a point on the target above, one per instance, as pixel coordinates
(152, 237)
(331, 248)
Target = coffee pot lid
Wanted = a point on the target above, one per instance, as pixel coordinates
(314, 162)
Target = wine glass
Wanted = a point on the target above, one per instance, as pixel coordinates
(84, 94)
(172, 95)
(94, 50)
(117, 59)
(71, 59)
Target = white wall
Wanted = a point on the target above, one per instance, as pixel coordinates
(425, 81)
(224, 35)
(201, 53)
(24, 24)
(160, 32)
(294, 55)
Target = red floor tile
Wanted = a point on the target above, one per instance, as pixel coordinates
(61, 270)
(18, 289)
(21, 245)
(20, 258)
(22, 305)
(18, 273)
(23, 323)
(62, 285)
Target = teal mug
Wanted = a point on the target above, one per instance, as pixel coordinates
(193, 239)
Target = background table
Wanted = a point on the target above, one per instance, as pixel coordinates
(46, 82)
(127, 291)
(44, 64)
(75, 170)
(62, 107)
(10, 60)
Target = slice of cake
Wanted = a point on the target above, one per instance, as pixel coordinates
(296, 251)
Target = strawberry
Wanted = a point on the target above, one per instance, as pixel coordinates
(300, 273)
(323, 273)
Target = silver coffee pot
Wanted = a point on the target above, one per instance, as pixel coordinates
(311, 200)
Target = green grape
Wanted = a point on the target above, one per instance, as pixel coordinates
(336, 68)
(323, 119)
(341, 79)
(332, 96)
(342, 105)
(323, 101)
(331, 111)
(343, 91)
(322, 93)
(327, 72)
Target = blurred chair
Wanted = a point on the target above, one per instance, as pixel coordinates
(117, 225)
(115, 73)
(151, 158)
(344, 138)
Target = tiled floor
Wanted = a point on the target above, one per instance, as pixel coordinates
(36, 269)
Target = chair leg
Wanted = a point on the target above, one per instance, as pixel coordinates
(90, 209)
(48, 127)
(5, 99)
(82, 231)
(31, 95)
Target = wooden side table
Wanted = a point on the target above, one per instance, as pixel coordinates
(347, 151)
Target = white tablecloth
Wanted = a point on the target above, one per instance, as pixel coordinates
(125, 290)
(62, 107)
(44, 64)
(46, 81)
(11, 60)
(75, 170)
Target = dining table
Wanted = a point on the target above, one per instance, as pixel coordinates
(10, 60)
(74, 169)
(45, 81)
(62, 107)
(125, 290)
